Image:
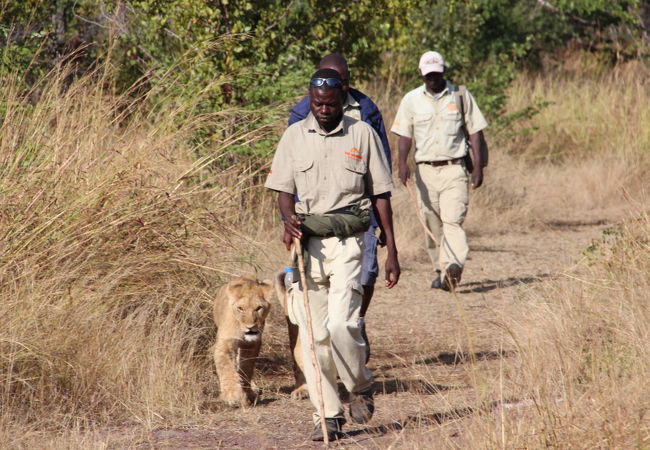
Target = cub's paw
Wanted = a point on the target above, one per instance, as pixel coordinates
(235, 398)
(300, 392)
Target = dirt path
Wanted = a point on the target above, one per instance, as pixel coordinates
(426, 346)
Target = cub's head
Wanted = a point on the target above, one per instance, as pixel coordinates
(249, 303)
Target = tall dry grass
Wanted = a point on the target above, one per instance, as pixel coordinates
(579, 377)
(114, 235)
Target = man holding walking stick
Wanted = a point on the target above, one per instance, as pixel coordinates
(336, 166)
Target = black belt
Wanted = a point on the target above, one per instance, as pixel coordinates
(447, 162)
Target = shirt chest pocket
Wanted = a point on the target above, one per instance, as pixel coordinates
(304, 175)
(422, 123)
(453, 124)
(351, 180)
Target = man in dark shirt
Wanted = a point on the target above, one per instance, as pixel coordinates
(358, 106)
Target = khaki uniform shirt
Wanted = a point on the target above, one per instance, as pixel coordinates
(331, 170)
(352, 108)
(434, 123)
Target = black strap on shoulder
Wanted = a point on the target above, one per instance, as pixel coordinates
(459, 97)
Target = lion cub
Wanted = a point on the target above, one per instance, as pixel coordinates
(240, 309)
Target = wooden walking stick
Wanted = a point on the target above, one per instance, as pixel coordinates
(310, 334)
(419, 212)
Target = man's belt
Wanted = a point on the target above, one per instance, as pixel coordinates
(447, 162)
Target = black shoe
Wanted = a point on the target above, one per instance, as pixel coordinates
(362, 406)
(333, 426)
(452, 277)
(365, 339)
(436, 283)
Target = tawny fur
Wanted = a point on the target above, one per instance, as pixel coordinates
(300, 387)
(240, 309)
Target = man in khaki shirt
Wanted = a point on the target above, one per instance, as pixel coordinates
(336, 166)
(431, 116)
(358, 106)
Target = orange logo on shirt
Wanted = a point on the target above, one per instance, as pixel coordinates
(354, 154)
(452, 107)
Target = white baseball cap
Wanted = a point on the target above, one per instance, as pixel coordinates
(431, 62)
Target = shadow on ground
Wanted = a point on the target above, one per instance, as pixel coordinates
(437, 418)
(449, 359)
(415, 421)
(396, 385)
(489, 285)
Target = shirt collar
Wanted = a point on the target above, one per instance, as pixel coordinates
(350, 102)
(312, 125)
(440, 94)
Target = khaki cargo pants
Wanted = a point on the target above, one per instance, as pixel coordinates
(333, 271)
(443, 197)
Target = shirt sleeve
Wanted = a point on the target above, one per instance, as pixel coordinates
(372, 116)
(403, 124)
(280, 177)
(474, 119)
(378, 178)
(381, 131)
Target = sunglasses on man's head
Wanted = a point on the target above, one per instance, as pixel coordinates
(330, 82)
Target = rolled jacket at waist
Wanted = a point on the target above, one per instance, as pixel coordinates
(341, 223)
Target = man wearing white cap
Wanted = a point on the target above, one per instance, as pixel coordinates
(444, 121)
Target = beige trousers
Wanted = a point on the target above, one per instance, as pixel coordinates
(333, 272)
(443, 197)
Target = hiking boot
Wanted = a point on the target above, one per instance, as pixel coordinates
(333, 426)
(362, 406)
(362, 326)
(436, 283)
(452, 277)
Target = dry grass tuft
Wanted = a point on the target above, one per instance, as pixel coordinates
(583, 346)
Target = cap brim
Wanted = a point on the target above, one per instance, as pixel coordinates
(428, 68)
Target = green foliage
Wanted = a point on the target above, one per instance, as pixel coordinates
(485, 42)
(258, 53)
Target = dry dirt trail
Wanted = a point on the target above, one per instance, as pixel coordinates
(426, 347)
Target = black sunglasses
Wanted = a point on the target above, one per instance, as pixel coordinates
(330, 82)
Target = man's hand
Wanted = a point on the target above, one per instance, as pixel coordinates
(404, 173)
(476, 178)
(291, 230)
(392, 271)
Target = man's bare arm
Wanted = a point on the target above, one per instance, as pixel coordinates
(476, 141)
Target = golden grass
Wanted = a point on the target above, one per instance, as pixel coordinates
(583, 351)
